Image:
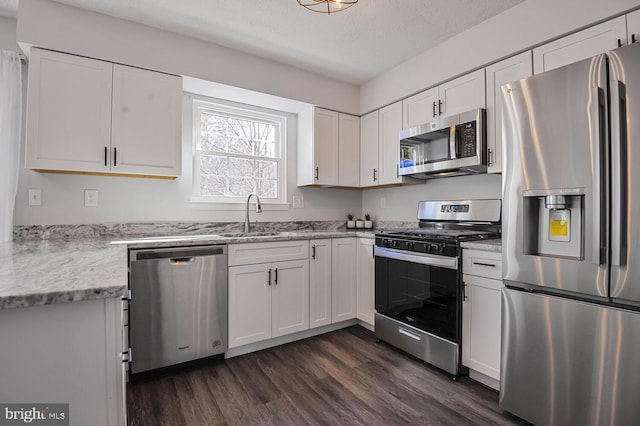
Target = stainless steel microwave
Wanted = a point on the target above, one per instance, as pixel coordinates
(449, 146)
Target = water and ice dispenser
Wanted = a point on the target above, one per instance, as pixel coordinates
(554, 223)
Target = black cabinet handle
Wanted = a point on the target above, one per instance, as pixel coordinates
(115, 157)
(619, 43)
(464, 291)
(374, 175)
(439, 107)
(434, 109)
(317, 172)
(484, 264)
(106, 150)
(633, 38)
(313, 252)
(269, 280)
(490, 152)
(276, 281)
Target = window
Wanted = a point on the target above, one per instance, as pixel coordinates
(237, 151)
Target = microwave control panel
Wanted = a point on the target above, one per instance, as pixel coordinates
(466, 139)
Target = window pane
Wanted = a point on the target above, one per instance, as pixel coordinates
(213, 133)
(267, 188)
(214, 185)
(213, 164)
(266, 169)
(240, 187)
(241, 167)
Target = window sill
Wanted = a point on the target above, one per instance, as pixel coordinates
(199, 204)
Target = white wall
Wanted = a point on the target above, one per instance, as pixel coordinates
(401, 204)
(8, 34)
(60, 27)
(527, 24)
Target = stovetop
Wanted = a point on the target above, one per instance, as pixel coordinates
(437, 234)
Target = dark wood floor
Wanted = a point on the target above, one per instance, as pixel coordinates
(340, 378)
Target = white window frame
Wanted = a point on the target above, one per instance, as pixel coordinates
(199, 105)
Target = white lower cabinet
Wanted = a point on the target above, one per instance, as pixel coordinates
(319, 283)
(365, 280)
(481, 310)
(267, 300)
(343, 279)
(46, 349)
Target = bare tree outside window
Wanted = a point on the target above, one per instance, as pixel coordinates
(236, 153)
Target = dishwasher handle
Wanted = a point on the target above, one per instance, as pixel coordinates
(178, 253)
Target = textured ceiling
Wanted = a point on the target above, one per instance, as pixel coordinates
(354, 45)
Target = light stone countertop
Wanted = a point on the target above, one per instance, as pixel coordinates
(57, 271)
(43, 272)
(486, 245)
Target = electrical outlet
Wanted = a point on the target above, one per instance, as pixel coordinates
(91, 198)
(383, 202)
(35, 197)
(298, 202)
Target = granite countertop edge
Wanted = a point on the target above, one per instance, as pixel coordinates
(486, 245)
(97, 269)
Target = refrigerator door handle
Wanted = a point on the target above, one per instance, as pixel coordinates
(598, 139)
(619, 185)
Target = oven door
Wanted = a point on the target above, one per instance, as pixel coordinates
(419, 290)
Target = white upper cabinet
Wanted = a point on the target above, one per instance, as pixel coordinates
(146, 122)
(85, 115)
(506, 71)
(389, 126)
(68, 113)
(453, 97)
(633, 26)
(325, 146)
(369, 169)
(328, 148)
(348, 150)
(462, 94)
(420, 108)
(581, 45)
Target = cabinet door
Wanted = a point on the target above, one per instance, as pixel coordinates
(349, 150)
(581, 45)
(325, 146)
(290, 297)
(68, 113)
(365, 280)
(343, 279)
(633, 26)
(420, 108)
(462, 94)
(511, 69)
(369, 172)
(320, 283)
(389, 126)
(249, 304)
(147, 122)
(481, 325)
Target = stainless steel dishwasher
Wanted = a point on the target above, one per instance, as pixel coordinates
(178, 307)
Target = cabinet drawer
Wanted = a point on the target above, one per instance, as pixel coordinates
(252, 253)
(482, 263)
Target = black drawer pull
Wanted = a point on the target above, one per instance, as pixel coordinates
(485, 264)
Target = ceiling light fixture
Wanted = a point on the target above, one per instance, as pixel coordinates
(327, 6)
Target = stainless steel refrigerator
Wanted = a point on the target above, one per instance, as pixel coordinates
(571, 243)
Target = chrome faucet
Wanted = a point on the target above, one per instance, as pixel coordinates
(247, 224)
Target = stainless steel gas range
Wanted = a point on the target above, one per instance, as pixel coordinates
(418, 282)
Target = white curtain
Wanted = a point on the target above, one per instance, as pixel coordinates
(10, 137)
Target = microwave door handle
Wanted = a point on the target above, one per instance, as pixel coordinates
(452, 142)
(620, 175)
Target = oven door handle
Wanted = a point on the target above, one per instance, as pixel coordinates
(422, 259)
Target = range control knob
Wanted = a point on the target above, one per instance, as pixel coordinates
(432, 248)
(441, 249)
(411, 245)
(394, 243)
(386, 242)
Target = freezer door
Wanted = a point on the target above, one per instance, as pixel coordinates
(556, 139)
(566, 362)
(624, 77)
